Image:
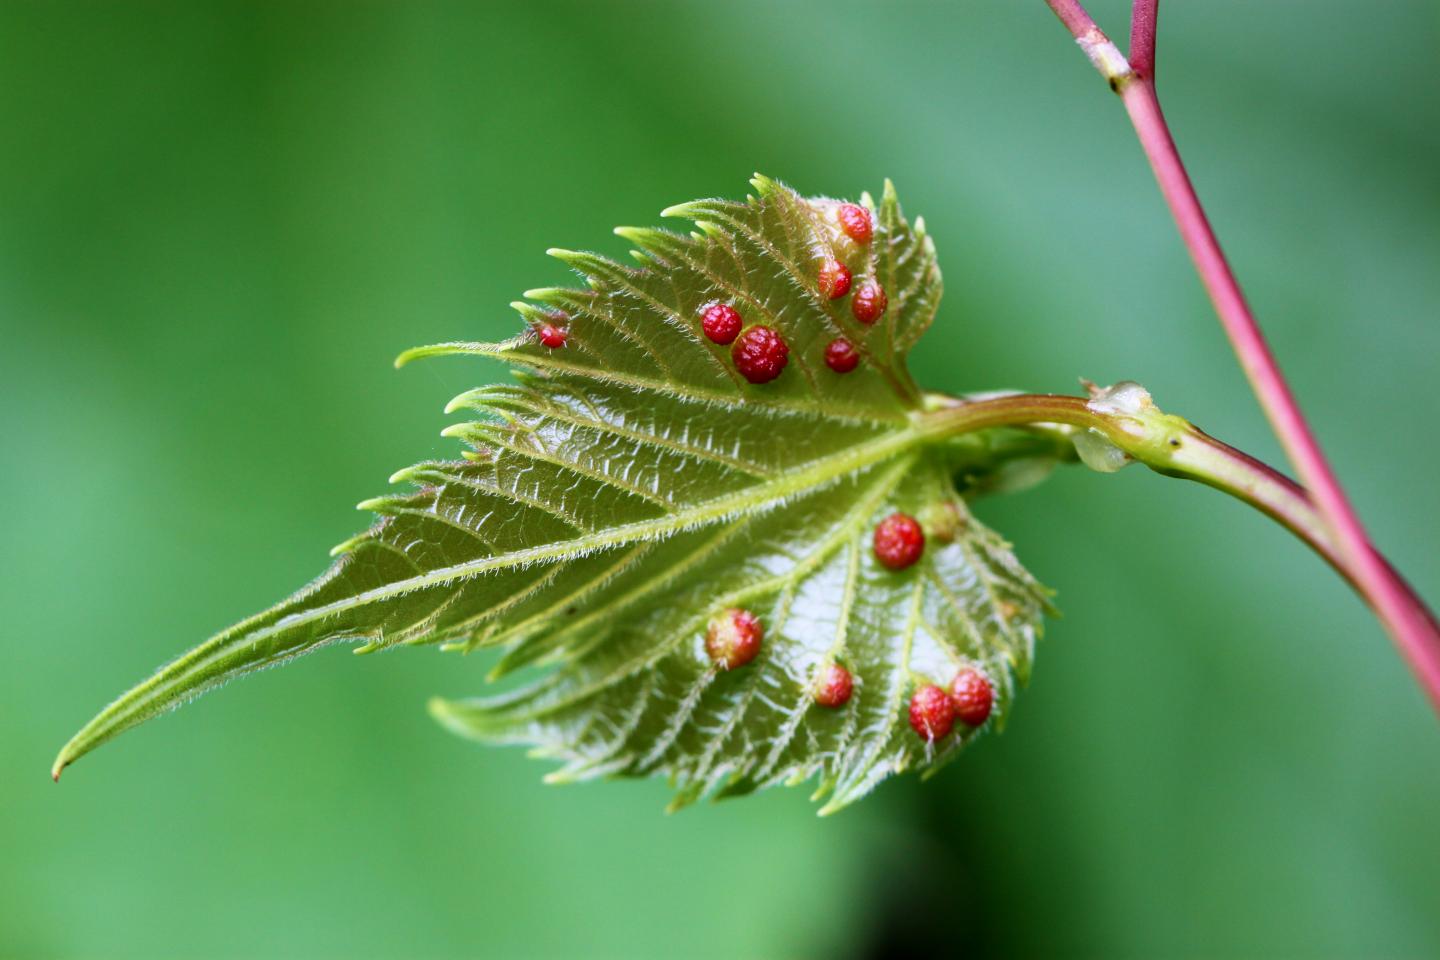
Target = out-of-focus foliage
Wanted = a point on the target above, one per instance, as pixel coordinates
(218, 221)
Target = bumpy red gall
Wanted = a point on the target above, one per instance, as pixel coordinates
(552, 335)
(973, 696)
(733, 638)
(899, 541)
(833, 686)
(834, 279)
(855, 221)
(760, 354)
(841, 355)
(721, 322)
(869, 302)
(932, 713)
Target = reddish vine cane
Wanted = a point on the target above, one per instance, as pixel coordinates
(1407, 619)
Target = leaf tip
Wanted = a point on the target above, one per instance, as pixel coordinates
(75, 748)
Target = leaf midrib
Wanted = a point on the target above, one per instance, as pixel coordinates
(818, 474)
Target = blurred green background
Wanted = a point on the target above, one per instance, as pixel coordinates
(220, 222)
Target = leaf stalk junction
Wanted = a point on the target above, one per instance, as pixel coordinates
(1119, 425)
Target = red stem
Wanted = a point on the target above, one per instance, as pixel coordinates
(1073, 15)
(1143, 16)
(1405, 617)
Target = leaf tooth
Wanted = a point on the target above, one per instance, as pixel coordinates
(530, 312)
(585, 768)
(686, 796)
(448, 714)
(385, 506)
(485, 399)
(563, 777)
(475, 432)
(474, 719)
(700, 209)
(683, 209)
(866, 200)
(590, 265)
(558, 295)
(661, 243)
(425, 473)
(827, 784)
(709, 229)
(459, 348)
(347, 545)
(470, 398)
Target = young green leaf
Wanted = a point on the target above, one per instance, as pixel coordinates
(649, 475)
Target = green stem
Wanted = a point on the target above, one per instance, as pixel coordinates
(1130, 425)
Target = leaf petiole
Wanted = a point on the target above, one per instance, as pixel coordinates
(1126, 420)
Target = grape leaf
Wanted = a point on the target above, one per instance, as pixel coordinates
(632, 485)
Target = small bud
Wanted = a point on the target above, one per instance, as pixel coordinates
(760, 354)
(833, 686)
(733, 638)
(973, 696)
(841, 355)
(932, 713)
(869, 302)
(721, 322)
(855, 221)
(899, 541)
(834, 280)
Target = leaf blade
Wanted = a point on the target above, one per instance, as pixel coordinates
(631, 484)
